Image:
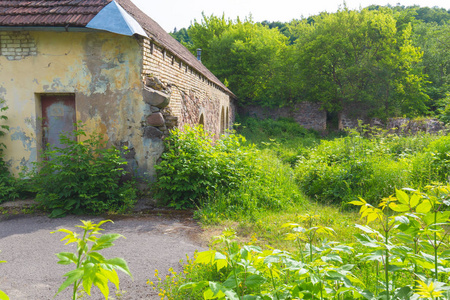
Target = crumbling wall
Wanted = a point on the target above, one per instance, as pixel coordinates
(192, 94)
(307, 114)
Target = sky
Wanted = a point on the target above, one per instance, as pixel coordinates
(180, 13)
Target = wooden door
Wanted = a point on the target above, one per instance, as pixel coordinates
(58, 116)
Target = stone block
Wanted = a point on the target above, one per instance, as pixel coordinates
(151, 132)
(154, 109)
(155, 98)
(155, 119)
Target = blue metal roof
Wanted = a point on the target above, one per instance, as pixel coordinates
(114, 18)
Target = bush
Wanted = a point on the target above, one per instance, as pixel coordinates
(346, 168)
(271, 186)
(194, 165)
(7, 181)
(283, 129)
(433, 164)
(83, 177)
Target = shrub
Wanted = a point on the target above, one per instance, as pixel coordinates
(194, 165)
(433, 164)
(346, 168)
(283, 129)
(7, 181)
(271, 186)
(82, 177)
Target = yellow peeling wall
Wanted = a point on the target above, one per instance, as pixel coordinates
(103, 71)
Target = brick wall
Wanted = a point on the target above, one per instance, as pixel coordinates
(307, 114)
(17, 45)
(192, 94)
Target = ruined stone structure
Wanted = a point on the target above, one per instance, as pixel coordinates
(307, 114)
(349, 119)
(128, 80)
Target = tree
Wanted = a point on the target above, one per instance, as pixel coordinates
(204, 32)
(434, 40)
(360, 56)
(249, 57)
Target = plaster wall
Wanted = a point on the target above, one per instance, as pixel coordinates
(192, 93)
(102, 70)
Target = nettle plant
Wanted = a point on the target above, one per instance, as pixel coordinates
(274, 274)
(402, 247)
(410, 244)
(91, 267)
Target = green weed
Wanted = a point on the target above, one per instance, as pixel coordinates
(82, 177)
(91, 267)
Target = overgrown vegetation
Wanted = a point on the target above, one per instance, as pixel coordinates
(223, 178)
(400, 257)
(91, 267)
(392, 60)
(398, 253)
(8, 184)
(82, 176)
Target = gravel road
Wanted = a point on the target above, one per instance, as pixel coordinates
(152, 242)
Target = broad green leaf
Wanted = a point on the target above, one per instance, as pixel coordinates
(101, 282)
(90, 271)
(359, 203)
(105, 241)
(97, 257)
(402, 197)
(111, 276)
(254, 281)
(230, 282)
(205, 257)
(424, 207)
(414, 200)
(3, 296)
(194, 285)
(399, 207)
(65, 258)
(119, 264)
(72, 276)
(221, 263)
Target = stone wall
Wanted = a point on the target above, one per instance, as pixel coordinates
(15, 45)
(307, 114)
(349, 119)
(192, 95)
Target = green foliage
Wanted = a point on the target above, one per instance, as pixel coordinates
(182, 36)
(360, 56)
(91, 267)
(343, 169)
(250, 57)
(269, 187)
(401, 250)
(433, 164)
(434, 40)
(8, 190)
(3, 295)
(223, 178)
(82, 176)
(194, 165)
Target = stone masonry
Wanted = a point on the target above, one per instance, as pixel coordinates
(307, 114)
(192, 95)
(17, 45)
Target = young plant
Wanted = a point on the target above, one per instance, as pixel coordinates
(83, 176)
(3, 295)
(91, 267)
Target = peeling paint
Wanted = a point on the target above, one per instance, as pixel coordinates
(103, 71)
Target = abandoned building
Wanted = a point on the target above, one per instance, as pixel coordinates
(104, 63)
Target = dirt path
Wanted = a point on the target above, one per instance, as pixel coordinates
(152, 242)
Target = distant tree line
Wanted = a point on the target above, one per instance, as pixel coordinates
(392, 61)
